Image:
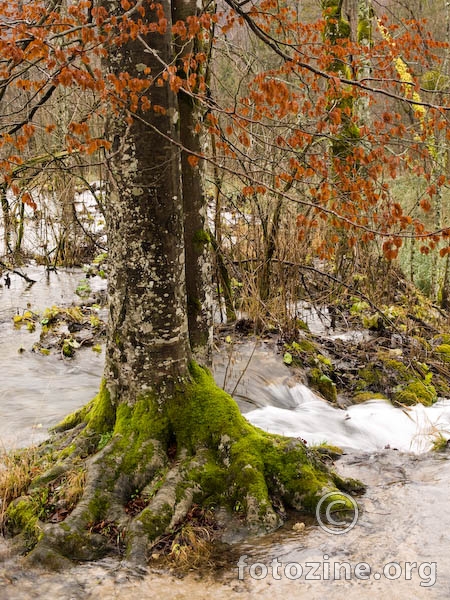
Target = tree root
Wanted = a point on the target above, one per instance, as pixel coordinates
(155, 465)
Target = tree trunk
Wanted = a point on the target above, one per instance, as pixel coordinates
(196, 236)
(222, 274)
(20, 228)
(6, 210)
(147, 345)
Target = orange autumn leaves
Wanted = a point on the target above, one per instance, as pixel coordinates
(291, 129)
(43, 50)
(337, 143)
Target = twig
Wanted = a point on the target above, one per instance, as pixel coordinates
(333, 278)
(245, 368)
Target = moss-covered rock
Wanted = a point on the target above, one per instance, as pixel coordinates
(323, 384)
(22, 517)
(443, 351)
(361, 397)
(415, 392)
(394, 379)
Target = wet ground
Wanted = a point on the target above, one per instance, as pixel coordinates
(398, 547)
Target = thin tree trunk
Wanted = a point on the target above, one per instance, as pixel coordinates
(270, 245)
(6, 219)
(223, 276)
(196, 238)
(20, 228)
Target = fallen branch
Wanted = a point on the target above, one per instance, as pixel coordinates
(27, 279)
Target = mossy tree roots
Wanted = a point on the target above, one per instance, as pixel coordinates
(195, 448)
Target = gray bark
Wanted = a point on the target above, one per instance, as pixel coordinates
(147, 348)
(197, 246)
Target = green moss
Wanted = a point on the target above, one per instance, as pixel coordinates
(155, 523)
(83, 288)
(134, 430)
(347, 484)
(201, 239)
(77, 545)
(102, 414)
(442, 338)
(337, 27)
(403, 383)
(104, 439)
(99, 414)
(415, 392)
(358, 307)
(75, 418)
(364, 30)
(67, 349)
(325, 361)
(257, 465)
(302, 352)
(331, 7)
(440, 443)
(145, 419)
(435, 80)
(307, 346)
(98, 507)
(386, 372)
(212, 479)
(201, 413)
(328, 450)
(371, 321)
(369, 376)
(423, 343)
(340, 502)
(307, 484)
(304, 345)
(246, 469)
(361, 397)
(22, 516)
(442, 386)
(287, 358)
(323, 384)
(67, 451)
(48, 476)
(331, 448)
(302, 325)
(443, 350)
(403, 372)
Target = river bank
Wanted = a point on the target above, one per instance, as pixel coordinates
(403, 516)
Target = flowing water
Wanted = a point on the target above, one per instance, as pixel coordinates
(36, 390)
(402, 529)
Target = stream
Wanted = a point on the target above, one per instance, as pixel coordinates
(398, 547)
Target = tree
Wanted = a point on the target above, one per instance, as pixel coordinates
(159, 427)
